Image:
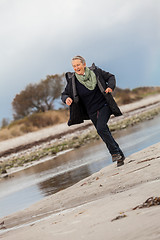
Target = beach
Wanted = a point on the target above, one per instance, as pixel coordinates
(107, 205)
(114, 203)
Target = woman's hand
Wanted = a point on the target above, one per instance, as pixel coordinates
(108, 90)
(69, 101)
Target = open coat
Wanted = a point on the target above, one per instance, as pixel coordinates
(77, 110)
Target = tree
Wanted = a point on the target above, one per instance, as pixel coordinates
(4, 122)
(38, 97)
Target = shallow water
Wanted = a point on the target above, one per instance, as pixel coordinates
(31, 185)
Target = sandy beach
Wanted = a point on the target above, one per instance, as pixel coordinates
(106, 205)
(114, 203)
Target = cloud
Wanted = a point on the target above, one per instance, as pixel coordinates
(39, 37)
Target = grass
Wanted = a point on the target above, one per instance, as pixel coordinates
(33, 123)
(125, 96)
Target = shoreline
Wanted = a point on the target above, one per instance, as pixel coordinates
(100, 205)
(47, 150)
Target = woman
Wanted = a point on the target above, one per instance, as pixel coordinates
(88, 93)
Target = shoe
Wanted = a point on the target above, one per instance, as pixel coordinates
(118, 158)
(120, 162)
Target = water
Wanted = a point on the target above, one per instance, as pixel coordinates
(31, 185)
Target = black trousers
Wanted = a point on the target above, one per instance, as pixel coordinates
(100, 119)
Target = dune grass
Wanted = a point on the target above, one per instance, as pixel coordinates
(33, 123)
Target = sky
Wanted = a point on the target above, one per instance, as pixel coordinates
(39, 38)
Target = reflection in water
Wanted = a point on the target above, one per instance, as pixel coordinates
(27, 187)
(63, 181)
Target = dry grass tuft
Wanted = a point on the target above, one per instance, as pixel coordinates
(125, 96)
(33, 123)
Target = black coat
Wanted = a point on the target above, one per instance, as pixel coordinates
(77, 111)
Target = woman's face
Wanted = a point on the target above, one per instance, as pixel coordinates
(78, 66)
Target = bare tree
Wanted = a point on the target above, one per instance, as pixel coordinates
(38, 97)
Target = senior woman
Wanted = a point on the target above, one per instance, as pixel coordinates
(88, 93)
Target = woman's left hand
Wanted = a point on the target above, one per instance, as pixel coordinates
(108, 90)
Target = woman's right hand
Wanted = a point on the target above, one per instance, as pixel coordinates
(69, 101)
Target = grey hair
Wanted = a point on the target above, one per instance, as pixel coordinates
(80, 58)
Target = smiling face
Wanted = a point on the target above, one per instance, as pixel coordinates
(78, 66)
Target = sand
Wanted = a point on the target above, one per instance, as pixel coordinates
(98, 207)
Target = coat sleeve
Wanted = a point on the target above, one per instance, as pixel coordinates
(65, 93)
(109, 79)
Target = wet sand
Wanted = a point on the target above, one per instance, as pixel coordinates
(98, 207)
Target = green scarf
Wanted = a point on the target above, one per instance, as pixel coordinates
(88, 79)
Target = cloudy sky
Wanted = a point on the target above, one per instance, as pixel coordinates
(39, 37)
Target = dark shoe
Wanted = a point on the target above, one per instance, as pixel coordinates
(120, 162)
(118, 158)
